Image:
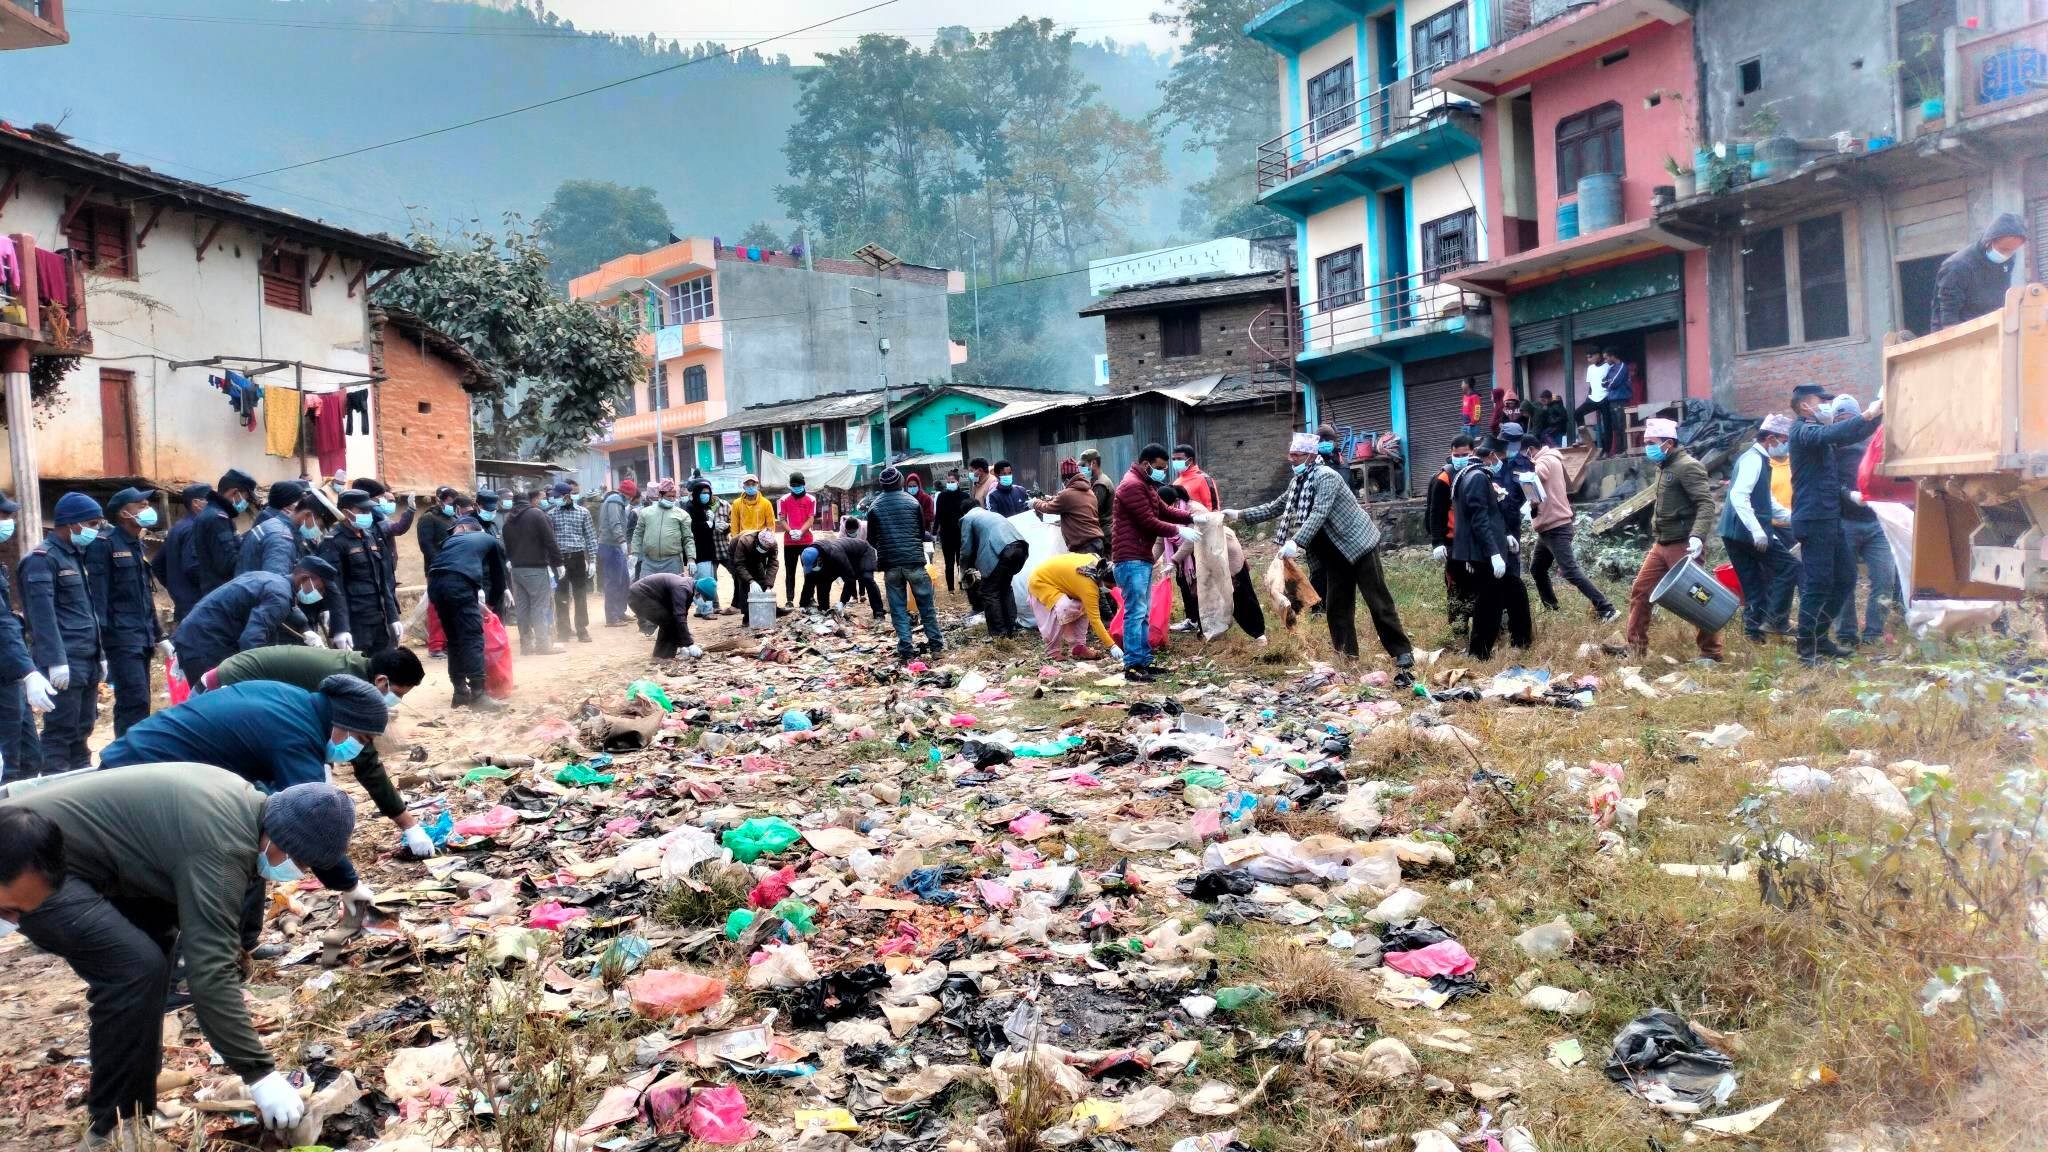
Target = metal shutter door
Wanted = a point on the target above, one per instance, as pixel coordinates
(1541, 336)
(1360, 403)
(1433, 421)
(1662, 308)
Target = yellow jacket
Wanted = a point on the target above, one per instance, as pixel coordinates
(754, 513)
(1781, 482)
(1062, 576)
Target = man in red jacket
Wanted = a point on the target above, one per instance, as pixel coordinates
(1140, 519)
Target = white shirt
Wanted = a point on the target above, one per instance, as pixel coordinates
(1596, 382)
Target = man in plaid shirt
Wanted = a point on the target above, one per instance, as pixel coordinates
(576, 535)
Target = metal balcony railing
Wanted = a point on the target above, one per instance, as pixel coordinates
(1347, 131)
(1376, 312)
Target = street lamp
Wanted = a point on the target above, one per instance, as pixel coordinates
(877, 257)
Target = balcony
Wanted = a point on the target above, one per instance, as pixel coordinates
(1292, 25)
(32, 24)
(2002, 71)
(1410, 317)
(672, 421)
(1556, 32)
(675, 340)
(50, 330)
(1383, 138)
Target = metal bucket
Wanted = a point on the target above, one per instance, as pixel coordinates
(1691, 593)
(761, 607)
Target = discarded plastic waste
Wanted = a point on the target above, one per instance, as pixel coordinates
(759, 837)
(650, 691)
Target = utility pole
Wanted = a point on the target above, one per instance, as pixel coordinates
(877, 257)
(974, 263)
(15, 361)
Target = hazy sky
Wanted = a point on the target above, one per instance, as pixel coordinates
(733, 22)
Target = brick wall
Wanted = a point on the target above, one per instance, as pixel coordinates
(1245, 449)
(1135, 356)
(423, 421)
(1763, 381)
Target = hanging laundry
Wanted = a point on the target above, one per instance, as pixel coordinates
(10, 266)
(326, 412)
(243, 395)
(53, 280)
(358, 405)
(283, 410)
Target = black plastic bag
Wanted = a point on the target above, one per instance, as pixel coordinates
(1659, 1051)
(1217, 883)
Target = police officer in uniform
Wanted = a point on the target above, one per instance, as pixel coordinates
(470, 565)
(363, 616)
(215, 546)
(21, 752)
(64, 629)
(175, 568)
(125, 595)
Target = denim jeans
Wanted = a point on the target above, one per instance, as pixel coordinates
(1868, 546)
(919, 583)
(1134, 581)
(1768, 579)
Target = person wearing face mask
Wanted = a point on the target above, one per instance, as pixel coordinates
(125, 595)
(215, 546)
(895, 528)
(751, 512)
(1553, 522)
(1817, 512)
(389, 521)
(24, 691)
(1974, 281)
(576, 535)
(251, 611)
(1321, 516)
(981, 481)
(1006, 499)
(844, 561)
(272, 543)
(365, 612)
(435, 525)
(1440, 520)
(662, 601)
(1752, 529)
(706, 519)
(1866, 545)
(64, 629)
(109, 870)
(534, 554)
(1680, 519)
(1074, 504)
(174, 566)
(1139, 520)
(756, 556)
(614, 531)
(1486, 551)
(948, 508)
(1105, 490)
(394, 672)
(793, 516)
(469, 567)
(665, 539)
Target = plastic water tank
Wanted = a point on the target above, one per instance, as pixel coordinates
(1567, 221)
(1599, 201)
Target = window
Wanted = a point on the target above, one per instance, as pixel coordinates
(1448, 243)
(696, 385)
(284, 281)
(1795, 283)
(814, 440)
(690, 301)
(835, 436)
(793, 442)
(1588, 142)
(628, 402)
(99, 235)
(955, 421)
(1332, 102)
(1439, 40)
(764, 444)
(1751, 75)
(1180, 333)
(1340, 279)
(657, 388)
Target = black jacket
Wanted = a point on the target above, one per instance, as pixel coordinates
(477, 557)
(366, 604)
(215, 549)
(123, 592)
(951, 507)
(896, 529)
(433, 531)
(1969, 283)
(530, 539)
(1482, 530)
(844, 558)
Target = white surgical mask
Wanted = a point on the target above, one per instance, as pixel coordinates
(1997, 257)
(6, 531)
(8, 928)
(146, 518)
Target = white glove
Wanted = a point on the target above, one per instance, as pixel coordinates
(1190, 534)
(278, 1101)
(1232, 514)
(164, 649)
(60, 677)
(1693, 547)
(343, 642)
(1514, 544)
(1290, 550)
(1116, 652)
(694, 651)
(1438, 553)
(103, 671)
(1500, 567)
(312, 639)
(418, 842)
(1856, 498)
(561, 574)
(37, 686)
(358, 899)
(1762, 540)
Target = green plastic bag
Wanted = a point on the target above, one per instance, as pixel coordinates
(1204, 778)
(649, 690)
(797, 915)
(582, 776)
(487, 772)
(759, 837)
(738, 921)
(1231, 999)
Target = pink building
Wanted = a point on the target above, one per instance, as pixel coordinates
(1598, 96)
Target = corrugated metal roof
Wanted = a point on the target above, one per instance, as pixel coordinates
(1257, 284)
(845, 406)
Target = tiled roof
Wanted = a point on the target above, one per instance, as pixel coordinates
(1256, 284)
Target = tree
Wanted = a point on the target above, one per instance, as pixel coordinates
(560, 367)
(1222, 91)
(761, 234)
(591, 221)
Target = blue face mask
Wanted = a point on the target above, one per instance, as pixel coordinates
(751, 490)
(306, 597)
(1655, 453)
(1177, 466)
(86, 535)
(6, 531)
(666, 503)
(241, 505)
(447, 509)
(796, 490)
(1158, 475)
(387, 507)
(347, 750)
(1301, 469)
(391, 699)
(146, 518)
(702, 498)
(309, 533)
(1325, 447)
(1460, 463)
(1776, 451)
(364, 520)
(951, 486)
(486, 515)
(1495, 467)
(283, 873)
(1005, 481)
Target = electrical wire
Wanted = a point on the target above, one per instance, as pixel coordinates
(594, 34)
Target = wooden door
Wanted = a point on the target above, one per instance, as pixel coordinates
(117, 424)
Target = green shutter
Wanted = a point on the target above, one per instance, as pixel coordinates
(814, 440)
(707, 454)
(747, 451)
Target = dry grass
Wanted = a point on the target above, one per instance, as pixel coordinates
(1301, 978)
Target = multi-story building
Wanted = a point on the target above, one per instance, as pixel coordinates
(727, 329)
(32, 24)
(1381, 173)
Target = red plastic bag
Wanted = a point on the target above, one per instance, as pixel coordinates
(1159, 612)
(718, 1115)
(174, 680)
(437, 640)
(497, 656)
(1874, 486)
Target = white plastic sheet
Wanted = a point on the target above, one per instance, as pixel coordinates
(1941, 617)
(1044, 539)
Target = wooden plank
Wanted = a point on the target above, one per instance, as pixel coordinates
(142, 237)
(8, 188)
(1626, 511)
(208, 241)
(72, 209)
(325, 258)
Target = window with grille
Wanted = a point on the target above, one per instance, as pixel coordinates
(99, 234)
(690, 301)
(1588, 142)
(1340, 279)
(1796, 283)
(657, 387)
(696, 385)
(628, 402)
(1448, 243)
(1439, 40)
(1332, 100)
(284, 281)
(1180, 333)
(835, 436)
(793, 442)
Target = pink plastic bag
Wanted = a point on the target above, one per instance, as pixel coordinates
(718, 1115)
(1159, 614)
(1030, 824)
(1443, 958)
(489, 823)
(552, 914)
(673, 992)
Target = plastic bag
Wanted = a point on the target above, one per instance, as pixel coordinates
(175, 682)
(666, 992)
(552, 914)
(1547, 941)
(490, 823)
(719, 1116)
(437, 640)
(1159, 613)
(758, 837)
(788, 966)
(650, 691)
(582, 776)
(1213, 592)
(1444, 958)
(497, 656)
